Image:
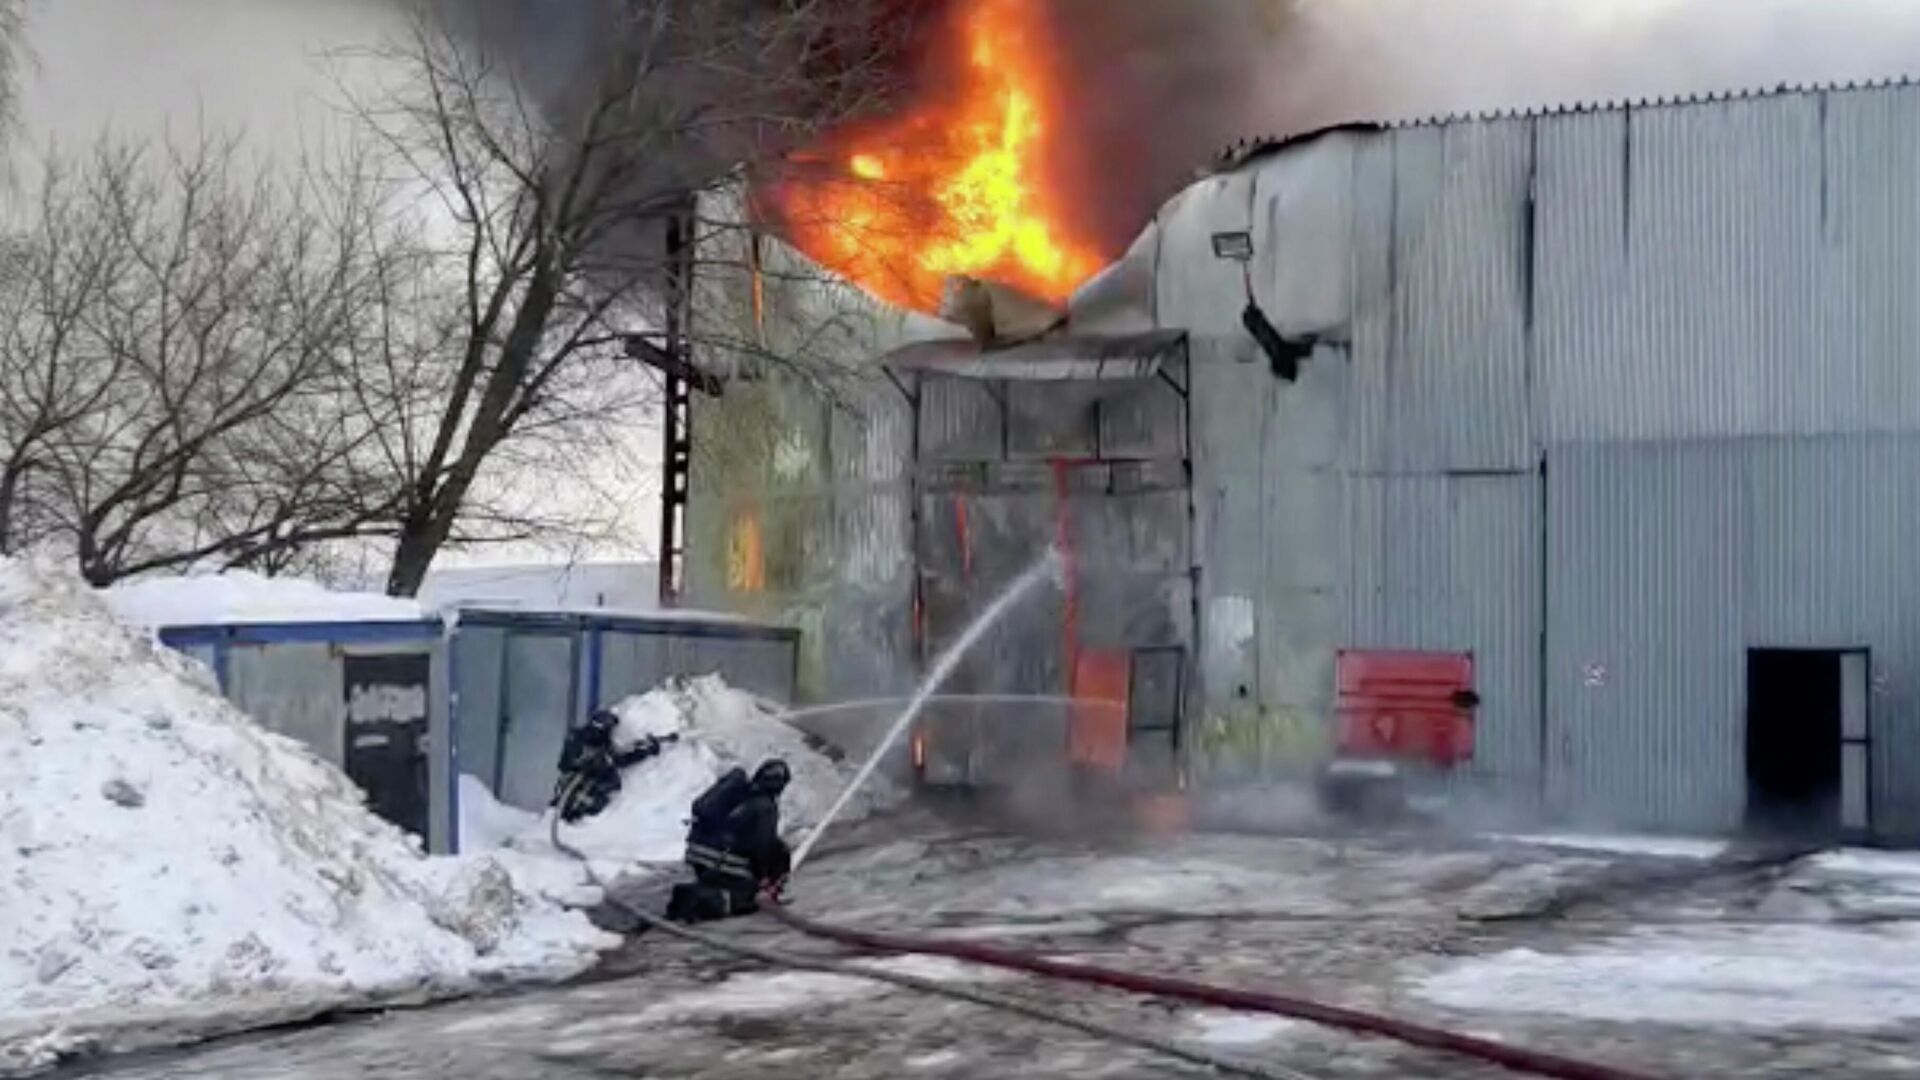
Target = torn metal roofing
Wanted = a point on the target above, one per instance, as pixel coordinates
(1064, 358)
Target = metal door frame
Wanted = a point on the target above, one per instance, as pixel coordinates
(1864, 741)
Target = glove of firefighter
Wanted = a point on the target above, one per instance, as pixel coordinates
(776, 889)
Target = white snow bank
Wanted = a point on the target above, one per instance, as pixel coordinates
(1760, 977)
(719, 728)
(160, 849)
(1660, 847)
(486, 822)
(242, 597)
(1859, 884)
(1893, 867)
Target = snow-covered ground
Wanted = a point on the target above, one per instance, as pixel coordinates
(243, 597)
(1659, 847)
(1834, 947)
(1746, 976)
(1220, 1028)
(161, 850)
(718, 728)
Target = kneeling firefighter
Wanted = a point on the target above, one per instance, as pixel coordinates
(590, 766)
(734, 846)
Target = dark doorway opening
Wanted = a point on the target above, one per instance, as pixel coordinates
(387, 716)
(1796, 705)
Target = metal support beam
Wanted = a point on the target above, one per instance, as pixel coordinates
(677, 422)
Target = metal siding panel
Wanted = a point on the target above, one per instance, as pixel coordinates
(478, 655)
(960, 420)
(1580, 256)
(1303, 229)
(1496, 556)
(1646, 667)
(294, 690)
(1680, 270)
(1869, 326)
(871, 435)
(1440, 336)
(1147, 422)
(632, 664)
(540, 673)
(1194, 288)
(1451, 564)
(1374, 307)
(1047, 420)
(443, 805)
(205, 654)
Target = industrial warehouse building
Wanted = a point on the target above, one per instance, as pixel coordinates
(1624, 401)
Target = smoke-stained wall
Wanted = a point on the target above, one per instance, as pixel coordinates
(801, 490)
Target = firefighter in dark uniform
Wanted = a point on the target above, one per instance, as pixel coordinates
(590, 758)
(734, 846)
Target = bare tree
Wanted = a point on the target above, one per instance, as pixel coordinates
(52, 381)
(551, 207)
(177, 327)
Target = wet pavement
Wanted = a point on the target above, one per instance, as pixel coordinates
(1360, 922)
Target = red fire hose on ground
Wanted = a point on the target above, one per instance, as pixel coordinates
(1517, 1058)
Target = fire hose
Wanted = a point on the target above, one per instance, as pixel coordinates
(1516, 1058)
(1004, 1002)
(1519, 1059)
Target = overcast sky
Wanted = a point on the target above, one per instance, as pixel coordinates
(142, 67)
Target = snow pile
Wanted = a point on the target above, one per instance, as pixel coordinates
(243, 597)
(1849, 885)
(162, 851)
(718, 728)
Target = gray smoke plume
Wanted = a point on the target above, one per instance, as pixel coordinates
(1157, 86)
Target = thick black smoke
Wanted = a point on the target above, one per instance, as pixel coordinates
(1152, 89)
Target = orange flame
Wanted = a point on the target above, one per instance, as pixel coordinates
(953, 187)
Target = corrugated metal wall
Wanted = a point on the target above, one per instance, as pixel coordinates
(1670, 561)
(1610, 388)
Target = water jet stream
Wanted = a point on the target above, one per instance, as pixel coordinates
(1045, 569)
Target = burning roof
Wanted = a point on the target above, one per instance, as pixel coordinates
(954, 186)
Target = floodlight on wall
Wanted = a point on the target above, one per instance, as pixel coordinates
(1233, 246)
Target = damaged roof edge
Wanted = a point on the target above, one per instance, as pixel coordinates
(1239, 153)
(1061, 358)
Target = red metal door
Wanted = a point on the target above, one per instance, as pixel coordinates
(1405, 706)
(1097, 735)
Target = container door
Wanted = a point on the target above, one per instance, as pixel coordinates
(537, 706)
(387, 744)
